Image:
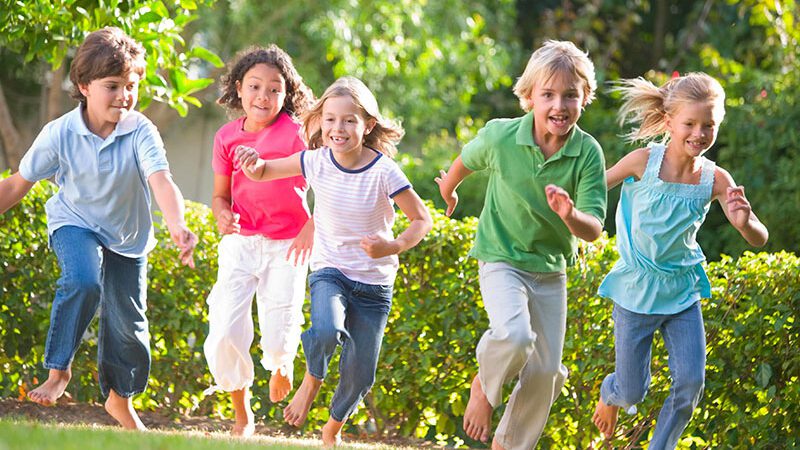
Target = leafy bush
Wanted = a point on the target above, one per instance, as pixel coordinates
(427, 363)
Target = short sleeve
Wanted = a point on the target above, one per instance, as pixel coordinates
(41, 160)
(221, 162)
(150, 149)
(395, 180)
(309, 163)
(299, 145)
(591, 194)
(476, 155)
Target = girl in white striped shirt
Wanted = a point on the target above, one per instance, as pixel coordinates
(354, 260)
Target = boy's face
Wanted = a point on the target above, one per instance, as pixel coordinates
(109, 99)
(557, 104)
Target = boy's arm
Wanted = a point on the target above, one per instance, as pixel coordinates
(170, 201)
(448, 183)
(582, 225)
(631, 165)
(262, 170)
(12, 190)
(738, 210)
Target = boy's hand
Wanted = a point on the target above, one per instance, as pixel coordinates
(377, 247)
(228, 222)
(738, 206)
(451, 198)
(186, 241)
(559, 201)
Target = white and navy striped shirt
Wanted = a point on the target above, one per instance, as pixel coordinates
(348, 205)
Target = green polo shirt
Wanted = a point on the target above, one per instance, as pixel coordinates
(516, 225)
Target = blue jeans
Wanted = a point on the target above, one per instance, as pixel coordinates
(91, 277)
(353, 315)
(685, 341)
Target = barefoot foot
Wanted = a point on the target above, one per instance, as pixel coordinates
(478, 415)
(121, 409)
(244, 425)
(332, 433)
(48, 392)
(605, 418)
(279, 386)
(296, 412)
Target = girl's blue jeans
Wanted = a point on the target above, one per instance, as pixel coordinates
(353, 315)
(685, 341)
(94, 277)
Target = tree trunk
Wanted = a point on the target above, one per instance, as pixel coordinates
(662, 9)
(55, 94)
(11, 148)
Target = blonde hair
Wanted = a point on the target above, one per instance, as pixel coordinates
(552, 58)
(386, 133)
(648, 105)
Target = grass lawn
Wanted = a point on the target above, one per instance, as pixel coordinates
(24, 435)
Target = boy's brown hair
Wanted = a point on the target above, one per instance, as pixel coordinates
(107, 52)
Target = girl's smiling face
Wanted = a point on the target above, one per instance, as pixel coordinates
(344, 125)
(263, 91)
(693, 127)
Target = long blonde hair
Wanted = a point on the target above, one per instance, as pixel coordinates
(386, 133)
(648, 106)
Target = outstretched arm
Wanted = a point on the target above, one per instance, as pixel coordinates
(582, 225)
(12, 190)
(170, 201)
(421, 223)
(448, 183)
(737, 209)
(262, 170)
(631, 165)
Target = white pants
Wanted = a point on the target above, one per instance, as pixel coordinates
(527, 322)
(253, 265)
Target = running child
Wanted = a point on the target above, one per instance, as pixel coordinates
(658, 281)
(102, 155)
(262, 224)
(527, 236)
(354, 262)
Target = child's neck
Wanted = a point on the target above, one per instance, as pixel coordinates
(678, 167)
(549, 143)
(252, 126)
(355, 159)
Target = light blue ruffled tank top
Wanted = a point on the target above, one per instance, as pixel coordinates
(660, 268)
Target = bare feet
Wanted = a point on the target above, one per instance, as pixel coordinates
(605, 418)
(48, 392)
(478, 416)
(121, 409)
(296, 412)
(279, 386)
(496, 446)
(244, 425)
(332, 433)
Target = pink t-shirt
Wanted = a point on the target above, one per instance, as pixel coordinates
(276, 209)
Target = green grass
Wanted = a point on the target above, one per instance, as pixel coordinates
(23, 435)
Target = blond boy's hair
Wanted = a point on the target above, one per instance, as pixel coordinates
(648, 106)
(552, 58)
(384, 136)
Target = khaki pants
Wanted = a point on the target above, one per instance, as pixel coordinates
(527, 322)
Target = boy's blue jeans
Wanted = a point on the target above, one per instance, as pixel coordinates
(353, 315)
(92, 277)
(685, 341)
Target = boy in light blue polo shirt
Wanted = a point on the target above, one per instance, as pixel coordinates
(102, 155)
(527, 236)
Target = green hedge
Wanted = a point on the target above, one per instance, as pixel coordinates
(751, 398)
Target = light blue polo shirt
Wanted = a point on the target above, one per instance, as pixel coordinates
(102, 182)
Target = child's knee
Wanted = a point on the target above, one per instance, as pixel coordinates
(84, 284)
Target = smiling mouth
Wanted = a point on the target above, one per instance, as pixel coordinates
(559, 120)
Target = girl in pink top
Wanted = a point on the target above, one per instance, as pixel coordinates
(266, 228)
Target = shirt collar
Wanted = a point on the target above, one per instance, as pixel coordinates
(77, 125)
(525, 137)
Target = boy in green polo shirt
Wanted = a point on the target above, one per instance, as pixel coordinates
(527, 236)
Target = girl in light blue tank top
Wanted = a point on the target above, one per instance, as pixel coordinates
(659, 278)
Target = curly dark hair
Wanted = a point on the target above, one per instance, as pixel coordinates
(298, 96)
